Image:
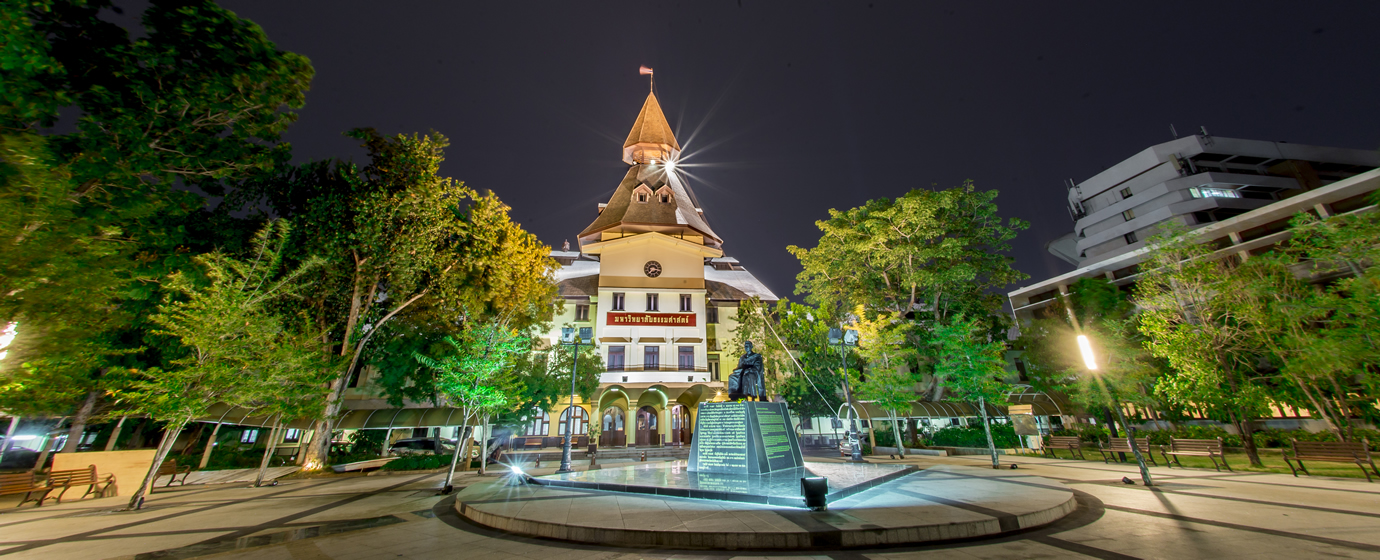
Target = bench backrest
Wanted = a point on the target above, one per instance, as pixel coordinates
(74, 477)
(1332, 449)
(17, 482)
(1121, 444)
(1196, 445)
(1065, 441)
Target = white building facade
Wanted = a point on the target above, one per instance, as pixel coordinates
(651, 279)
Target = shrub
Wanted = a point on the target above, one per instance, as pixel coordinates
(885, 438)
(1090, 433)
(228, 457)
(1003, 435)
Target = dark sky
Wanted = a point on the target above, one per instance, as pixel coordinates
(802, 107)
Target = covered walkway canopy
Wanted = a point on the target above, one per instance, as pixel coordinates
(1041, 404)
(380, 418)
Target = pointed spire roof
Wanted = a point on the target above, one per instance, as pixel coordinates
(651, 126)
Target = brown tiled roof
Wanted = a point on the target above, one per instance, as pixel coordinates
(622, 210)
(579, 286)
(651, 126)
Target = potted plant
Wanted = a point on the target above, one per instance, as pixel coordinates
(594, 431)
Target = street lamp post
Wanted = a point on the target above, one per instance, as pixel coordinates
(574, 339)
(843, 338)
(1085, 347)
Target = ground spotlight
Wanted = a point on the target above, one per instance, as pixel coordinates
(816, 492)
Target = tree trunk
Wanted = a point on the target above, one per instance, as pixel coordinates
(1111, 430)
(900, 442)
(318, 451)
(269, 447)
(450, 474)
(483, 445)
(1131, 440)
(47, 449)
(1327, 416)
(210, 446)
(136, 501)
(9, 436)
(1243, 428)
(192, 439)
(79, 422)
(987, 427)
(136, 437)
(115, 434)
(1343, 408)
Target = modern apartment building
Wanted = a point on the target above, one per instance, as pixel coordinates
(1196, 181)
(1236, 194)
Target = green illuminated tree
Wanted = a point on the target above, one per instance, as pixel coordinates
(476, 375)
(1215, 363)
(973, 365)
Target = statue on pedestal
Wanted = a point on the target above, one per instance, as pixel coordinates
(747, 379)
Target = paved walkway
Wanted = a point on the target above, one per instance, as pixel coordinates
(1192, 514)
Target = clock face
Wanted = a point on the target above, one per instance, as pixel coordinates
(652, 269)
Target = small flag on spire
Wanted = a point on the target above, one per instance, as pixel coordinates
(644, 71)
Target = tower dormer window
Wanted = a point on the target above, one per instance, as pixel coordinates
(665, 199)
(643, 193)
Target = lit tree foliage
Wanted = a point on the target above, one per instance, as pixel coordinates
(91, 219)
(1214, 359)
(238, 350)
(476, 376)
(920, 258)
(402, 241)
(974, 365)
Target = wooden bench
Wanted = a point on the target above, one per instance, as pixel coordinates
(1123, 445)
(1210, 448)
(170, 467)
(1334, 451)
(66, 480)
(1073, 444)
(24, 483)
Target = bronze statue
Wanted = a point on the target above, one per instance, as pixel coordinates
(747, 379)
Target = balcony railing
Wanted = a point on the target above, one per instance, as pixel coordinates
(660, 367)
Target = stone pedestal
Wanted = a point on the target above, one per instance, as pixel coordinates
(744, 438)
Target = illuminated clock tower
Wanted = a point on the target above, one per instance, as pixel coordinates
(651, 278)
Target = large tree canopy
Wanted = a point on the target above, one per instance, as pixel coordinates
(95, 213)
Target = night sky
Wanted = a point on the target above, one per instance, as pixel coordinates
(799, 107)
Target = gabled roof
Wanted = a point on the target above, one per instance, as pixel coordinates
(651, 126)
(680, 212)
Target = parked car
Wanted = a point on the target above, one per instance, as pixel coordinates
(421, 446)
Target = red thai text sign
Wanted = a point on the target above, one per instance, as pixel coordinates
(652, 319)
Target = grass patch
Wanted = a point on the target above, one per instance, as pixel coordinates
(1274, 463)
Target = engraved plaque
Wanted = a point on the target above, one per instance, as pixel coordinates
(744, 438)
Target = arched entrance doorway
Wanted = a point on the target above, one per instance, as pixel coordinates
(680, 425)
(612, 434)
(646, 427)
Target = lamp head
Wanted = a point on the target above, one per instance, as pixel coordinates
(1085, 346)
(850, 337)
(835, 334)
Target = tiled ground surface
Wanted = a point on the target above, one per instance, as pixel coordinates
(1194, 514)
